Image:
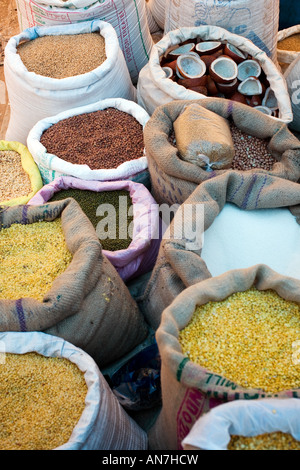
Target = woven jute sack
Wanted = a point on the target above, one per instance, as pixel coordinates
(173, 180)
(180, 264)
(188, 389)
(88, 304)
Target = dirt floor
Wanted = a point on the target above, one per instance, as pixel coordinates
(8, 27)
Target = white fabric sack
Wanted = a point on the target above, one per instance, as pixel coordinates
(292, 77)
(103, 425)
(128, 18)
(285, 56)
(239, 239)
(52, 167)
(157, 8)
(153, 26)
(33, 97)
(246, 418)
(257, 20)
(154, 88)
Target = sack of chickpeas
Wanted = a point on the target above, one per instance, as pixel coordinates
(130, 242)
(267, 424)
(240, 63)
(234, 221)
(20, 177)
(50, 69)
(230, 337)
(223, 136)
(54, 397)
(103, 141)
(56, 279)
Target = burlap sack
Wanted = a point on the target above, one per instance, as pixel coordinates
(189, 390)
(178, 265)
(173, 180)
(88, 304)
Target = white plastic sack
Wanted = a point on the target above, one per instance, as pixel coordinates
(238, 239)
(157, 8)
(292, 77)
(139, 258)
(103, 425)
(246, 418)
(52, 167)
(154, 88)
(285, 56)
(153, 26)
(256, 20)
(128, 18)
(33, 97)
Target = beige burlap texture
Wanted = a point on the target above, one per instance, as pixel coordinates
(189, 390)
(178, 266)
(173, 179)
(88, 304)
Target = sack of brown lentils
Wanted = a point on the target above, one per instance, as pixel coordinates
(262, 145)
(234, 221)
(154, 88)
(267, 424)
(230, 337)
(20, 178)
(55, 279)
(103, 141)
(50, 69)
(131, 246)
(54, 397)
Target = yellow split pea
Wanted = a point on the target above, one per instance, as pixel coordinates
(267, 441)
(249, 338)
(31, 257)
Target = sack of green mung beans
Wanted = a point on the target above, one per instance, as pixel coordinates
(128, 18)
(50, 69)
(230, 337)
(54, 397)
(124, 215)
(234, 221)
(155, 88)
(20, 178)
(261, 145)
(56, 279)
(266, 424)
(103, 141)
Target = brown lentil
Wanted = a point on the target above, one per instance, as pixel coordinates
(31, 257)
(291, 43)
(247, 338)
(63, 56)
(250, 152)
(89, 201)
(41, 401)
(101, 139)
(267, 441)
(14, 181)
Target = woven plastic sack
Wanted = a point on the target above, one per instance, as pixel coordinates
(29, 166)
(103, 424)
(157, 8)
(285, 56)
(88, 304)
(140, 256)
(189, 390)
(155, 89)
(52, 167)
(33, 97)
(173, 180)
(153, 26)
(181, 262)
(128, 18)
(243, 418)
(257, 20)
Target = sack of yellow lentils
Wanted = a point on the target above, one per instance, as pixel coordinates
(230, 337)
(55, 279)
(20, 178)
(234, 221)
(261, 144)
(54, 397)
